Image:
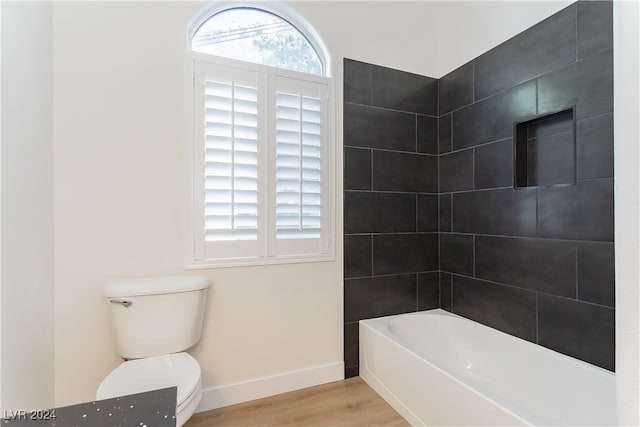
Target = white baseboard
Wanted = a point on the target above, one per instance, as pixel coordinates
(230, 394)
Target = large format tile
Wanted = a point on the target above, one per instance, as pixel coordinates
(583, 211)
(405, 253)
(548, 46)
(587, 84)
(378, 128)
(427, 212)
(351, 345)
(357, 256)
(446, 291)
(504, 212)
(372, 212)
(493, 165)
(428, 290)
(492, 118)
(427, 134)
(445, 212)
(379, 296)
(507, 309)
(596, 273)
(394, 171)
(578, 329)
(444, 133)
(357, 168)
(456, 89)
(456, 171)
(595, 27)
(535, 264)
(594, 147)
(456, 253)
(400, 90)
(357, 82)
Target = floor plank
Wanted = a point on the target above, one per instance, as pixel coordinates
(339, 404)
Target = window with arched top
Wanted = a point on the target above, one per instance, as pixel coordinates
(260, 146)
(257, 36)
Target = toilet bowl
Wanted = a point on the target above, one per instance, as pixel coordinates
(154, 321)
(172, 370)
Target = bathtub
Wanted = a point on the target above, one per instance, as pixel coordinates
(436, 368)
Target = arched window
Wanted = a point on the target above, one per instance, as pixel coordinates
(261, 146)
(257, 36)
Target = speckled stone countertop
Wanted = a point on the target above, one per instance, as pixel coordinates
(150, 409)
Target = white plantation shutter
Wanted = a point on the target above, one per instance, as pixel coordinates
(229, 126)
(261, 171)
(298, 133)
(298, 166)
(231, 161)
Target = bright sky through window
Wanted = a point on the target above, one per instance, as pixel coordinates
(257, 36)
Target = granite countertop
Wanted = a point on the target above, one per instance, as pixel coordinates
(150, 409)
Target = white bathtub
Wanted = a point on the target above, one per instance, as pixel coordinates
(436, 368)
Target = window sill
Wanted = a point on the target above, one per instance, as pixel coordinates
(251, 262)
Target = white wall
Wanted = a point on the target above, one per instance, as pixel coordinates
(27, 197)
(627, 205)
(118, 158)
(467, 29)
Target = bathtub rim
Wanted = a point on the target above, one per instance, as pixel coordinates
(379, 325)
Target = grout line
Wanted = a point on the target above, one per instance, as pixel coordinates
(577, 279)
(537, 213)
(372, 258)
(377, 107)
(451, 287)
(417, 213)
(537, 98)
(473, 81)
(451, 211)
(474, 255)
(390, 192)
(388, 150)
(371, 161)
(451, 133)
(439, 288)
(507, 285)
(416, 134)
(473, 168)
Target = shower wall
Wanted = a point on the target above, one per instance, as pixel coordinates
(536, 261)
(390, 197)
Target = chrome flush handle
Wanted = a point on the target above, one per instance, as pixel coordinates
(124, 302)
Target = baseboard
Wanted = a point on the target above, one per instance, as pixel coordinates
(230, 394)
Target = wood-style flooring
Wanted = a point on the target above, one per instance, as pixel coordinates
(342, 403)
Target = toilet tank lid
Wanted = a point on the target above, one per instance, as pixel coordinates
(154, 285)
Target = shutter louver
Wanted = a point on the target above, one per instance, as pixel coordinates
(231, 161)
(298, 165)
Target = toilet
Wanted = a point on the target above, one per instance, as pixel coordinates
(154, 321)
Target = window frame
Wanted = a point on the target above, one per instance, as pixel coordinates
(266, 183)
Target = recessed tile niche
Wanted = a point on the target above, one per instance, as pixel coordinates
(545, 150)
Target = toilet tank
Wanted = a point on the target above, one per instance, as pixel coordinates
(156, 315)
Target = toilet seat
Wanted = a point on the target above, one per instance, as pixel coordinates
(152, 373)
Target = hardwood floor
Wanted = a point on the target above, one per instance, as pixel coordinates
(342, 403)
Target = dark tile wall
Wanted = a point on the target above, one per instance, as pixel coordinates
(390, 196)
(535, 262)
(432, 218)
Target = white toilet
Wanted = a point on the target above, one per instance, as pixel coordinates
(154, 321)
